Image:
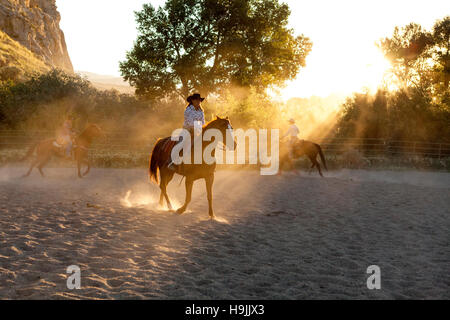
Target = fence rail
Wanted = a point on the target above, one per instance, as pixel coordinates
(370, 148)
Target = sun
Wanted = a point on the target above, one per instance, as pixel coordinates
(373, 74)
(344, 72)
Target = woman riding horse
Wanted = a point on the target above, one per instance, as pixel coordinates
(46, 149)
(66, 135)
(161, 153)
(194, 117)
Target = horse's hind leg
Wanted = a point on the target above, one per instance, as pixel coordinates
(79, 169)
(312, 167)
(86, 162)
(166, 196)
(316, 164)
(42, 164)
(161, 188)
(161, 196)
(318, 167)
(166, 177)
(33, 164)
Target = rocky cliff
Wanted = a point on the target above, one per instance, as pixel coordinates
(17, 62)
(35, 25)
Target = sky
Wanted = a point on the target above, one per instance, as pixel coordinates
(344, 58)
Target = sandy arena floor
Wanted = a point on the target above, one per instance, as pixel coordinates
(288, 237)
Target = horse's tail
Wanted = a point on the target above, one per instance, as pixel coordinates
(29, 152)
(153, 167)
(322, 156)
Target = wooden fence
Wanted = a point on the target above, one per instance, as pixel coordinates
(370, 148)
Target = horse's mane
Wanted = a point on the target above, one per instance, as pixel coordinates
(206, 125)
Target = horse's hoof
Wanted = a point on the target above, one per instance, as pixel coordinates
(179, 211)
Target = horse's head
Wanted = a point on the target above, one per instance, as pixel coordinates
(224, 126)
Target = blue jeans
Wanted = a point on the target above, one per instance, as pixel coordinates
(68, 148)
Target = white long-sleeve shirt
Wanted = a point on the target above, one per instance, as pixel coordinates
(192, 115)
(292, 132)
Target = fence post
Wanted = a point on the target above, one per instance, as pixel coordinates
(386, 148)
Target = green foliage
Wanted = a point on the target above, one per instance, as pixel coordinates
(399, 115)
(420, 108)
(246, 108)
(20, 101)
(42, 102)
(420, 58)
(208, 45)
(441, 55)
(365, 116)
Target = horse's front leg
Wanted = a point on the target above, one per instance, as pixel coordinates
(33, 164)
(189, 184)
(209, 183)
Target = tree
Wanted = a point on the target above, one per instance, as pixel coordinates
(420, 108)
(441, 50)
(421, 59)
(208, 45)
(407, 51)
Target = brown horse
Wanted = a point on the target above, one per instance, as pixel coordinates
(192, 172)
(301, 148)
(46, 149)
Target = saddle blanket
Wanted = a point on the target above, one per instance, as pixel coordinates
(167, 149)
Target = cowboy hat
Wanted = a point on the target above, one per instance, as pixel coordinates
(194, 97)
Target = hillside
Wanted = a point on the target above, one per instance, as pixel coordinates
(17, 60)
(35, 25)
(105, 82)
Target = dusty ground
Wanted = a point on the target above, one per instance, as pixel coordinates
(288, 237)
